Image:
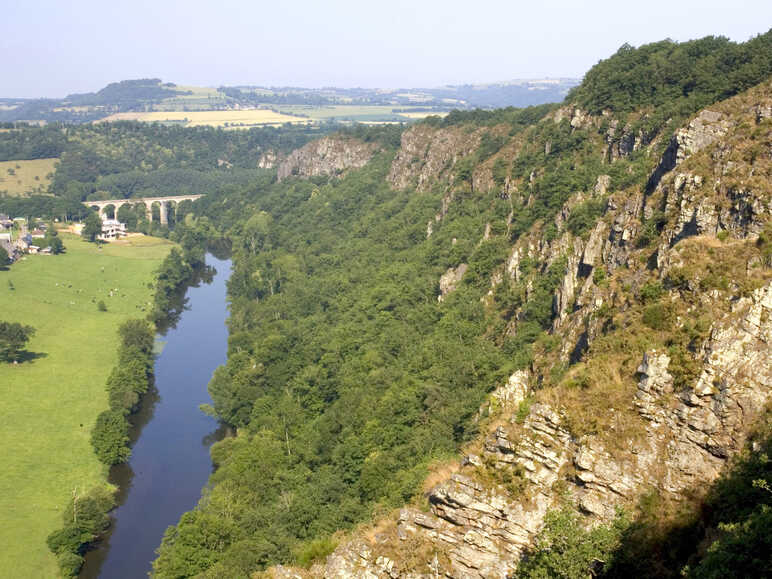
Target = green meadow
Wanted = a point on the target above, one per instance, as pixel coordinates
(49, 403)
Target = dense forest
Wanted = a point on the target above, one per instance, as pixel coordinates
(346, 376)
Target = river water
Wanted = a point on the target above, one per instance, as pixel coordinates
(170, 461)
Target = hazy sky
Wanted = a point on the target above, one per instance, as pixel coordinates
(55, 47)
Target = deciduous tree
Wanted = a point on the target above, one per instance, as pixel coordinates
(13, 337)
(92, 227)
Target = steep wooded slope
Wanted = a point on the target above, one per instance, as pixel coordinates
(577, 299)
(656, 369)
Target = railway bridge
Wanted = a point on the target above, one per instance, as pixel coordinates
(101, 206)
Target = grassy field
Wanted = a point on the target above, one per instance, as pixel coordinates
(18, 178)
(354, 113)
(50, 403)
(202, 98)
(239, 119)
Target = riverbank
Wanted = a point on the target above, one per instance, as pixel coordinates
(51, 401)
(170, 461)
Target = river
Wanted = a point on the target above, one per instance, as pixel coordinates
(170, 461)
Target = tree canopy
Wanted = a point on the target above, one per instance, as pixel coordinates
(689, 74)
(13, 337)
(92, 227)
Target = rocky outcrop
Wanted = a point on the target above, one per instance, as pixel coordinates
(704, 424)
(513, 392)
(621, 142)
(450, 279)
(268, 160)
(327, 156)
(428, 155)
(483, 518)
(700, 133)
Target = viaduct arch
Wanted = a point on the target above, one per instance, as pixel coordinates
(148, 201)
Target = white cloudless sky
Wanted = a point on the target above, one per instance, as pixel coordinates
(55, 47)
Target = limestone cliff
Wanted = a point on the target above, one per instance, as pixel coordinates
(661, 358)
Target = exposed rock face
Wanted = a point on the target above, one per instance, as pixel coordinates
(268, 160)
(513, 392)
(620, 143)
(701, 132)
(358, 560)
(327, 156)
(426, 155)
(450, 279)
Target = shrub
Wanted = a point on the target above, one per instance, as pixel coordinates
(84, 519)
(67, 540)
(523, 410)
(69, 563)
(564, 548)
(316, 550)
(651, 292)
(657, 316)
(678, 278)
(110, 437)
(764, 243)
(650, 229)
(584, 216)
(684, 366)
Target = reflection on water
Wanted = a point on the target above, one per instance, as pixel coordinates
(170, 442)
(223, 431)
(179, 300)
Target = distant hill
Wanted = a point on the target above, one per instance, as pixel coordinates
(515, 93)
(128, 93)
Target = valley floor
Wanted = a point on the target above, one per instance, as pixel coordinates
(50, 402)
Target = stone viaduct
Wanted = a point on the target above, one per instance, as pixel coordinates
(148, 201)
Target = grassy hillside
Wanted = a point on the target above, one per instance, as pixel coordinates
(20, 178)
(50, 402)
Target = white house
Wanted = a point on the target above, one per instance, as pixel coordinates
(112, 229)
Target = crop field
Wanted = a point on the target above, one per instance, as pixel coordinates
(232, 118)
(20, 178)
(50, 402)
(422, 114)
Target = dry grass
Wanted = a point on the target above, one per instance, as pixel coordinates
(21, 178)
(440, 472)
(383, 527)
